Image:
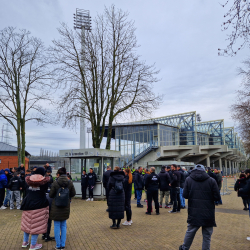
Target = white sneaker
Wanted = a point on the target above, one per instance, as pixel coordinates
(88, 199)
(3, 207)
(131, 222)
(92, 199)
(248, 238)
(126, 223)
(11, 208)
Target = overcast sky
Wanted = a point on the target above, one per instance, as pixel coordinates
(181, 37)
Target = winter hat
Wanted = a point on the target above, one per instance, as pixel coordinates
(6, 169)
(199, 167)
(40, 171)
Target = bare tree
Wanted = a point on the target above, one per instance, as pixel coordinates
(238, 24)
(114, 82)
(24, 82)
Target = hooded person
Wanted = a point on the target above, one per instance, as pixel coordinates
(35, 208)
(3, 185)
(8, 192)
(201, 191)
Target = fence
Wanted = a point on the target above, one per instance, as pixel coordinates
(224, 189)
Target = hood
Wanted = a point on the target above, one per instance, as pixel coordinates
(2, 171)
(6, 169)
(118, 175)
(63, 180)
(163, 171)
(40, 171)
(198, 175)
(36, 180)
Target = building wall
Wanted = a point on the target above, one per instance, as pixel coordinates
(11, 162)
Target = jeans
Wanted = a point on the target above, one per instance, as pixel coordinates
(33, 238)
(60, 230)
(166, 194)
(15, 195)
(176, 199)
(7, 197)
(181, 198)
(189, 237)
(139, 194)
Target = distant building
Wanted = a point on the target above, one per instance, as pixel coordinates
(9, 158)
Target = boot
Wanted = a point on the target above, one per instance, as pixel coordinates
(114, 225)
(118, 223)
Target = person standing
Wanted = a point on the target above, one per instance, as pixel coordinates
(201, 192)
(182, 181)
(152, 185)
(15, 187)
(138, 185)
(116, 199)
(8, 192)
(128, 191)
(84, 184)
(165, 188)
(91, 183)
(60, 214)
(21, 168)
(175, 186)
(35, 208)
(241, 183)
(48, 167)
(3, 185)
(219, 182)
(105, 180)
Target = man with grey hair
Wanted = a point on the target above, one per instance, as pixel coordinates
(152, 184)
(201, 191)
(139, 185)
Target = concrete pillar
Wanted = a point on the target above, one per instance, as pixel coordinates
(208, 161)
(230, 167)
(220, 164)
(225, 167)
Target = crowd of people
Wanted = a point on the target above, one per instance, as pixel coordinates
(43, 200)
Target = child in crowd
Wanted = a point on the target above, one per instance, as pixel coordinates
(15, 186)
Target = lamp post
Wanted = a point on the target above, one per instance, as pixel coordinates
(82, 21)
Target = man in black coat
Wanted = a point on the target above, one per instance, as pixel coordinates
(201, 191)
(165, 188)
(152, 184)
(175, 185)
(138, 185)
(182, 181)
(21, 168)
(84, 183)
(91, 183)
(105, 180)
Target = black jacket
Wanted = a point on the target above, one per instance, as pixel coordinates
(19, 169)
(91, 179)
(201, 191)
(182, 178)
(165, 180)
(116, 202)
(15, 183)
(105, 178)
(84, 180)
(9, 176)
(138, 181)
(176, 178)
(241, 183)
(128, 190)
(213, 176)
(245, 192)
(153, 182)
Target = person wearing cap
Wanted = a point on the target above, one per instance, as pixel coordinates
(202, 192)
(35, 208)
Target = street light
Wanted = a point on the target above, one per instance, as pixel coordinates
(82, 21)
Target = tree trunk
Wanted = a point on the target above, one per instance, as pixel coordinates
(109, 135)
(19, 146)
(23, 141)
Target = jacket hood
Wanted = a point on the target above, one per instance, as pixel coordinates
(163, 171)
(63, 180)
(198, 175)
(2, 171)
(117, 175)
(6, 169)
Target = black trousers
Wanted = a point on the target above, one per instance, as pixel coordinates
(107, 195)
(91, 192)
(128, 209)
(152, 195)
(135, 194)
(171, 194)
(176, 199)
(84, 192)
(2, 194)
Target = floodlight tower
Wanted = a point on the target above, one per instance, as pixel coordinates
(82, 21)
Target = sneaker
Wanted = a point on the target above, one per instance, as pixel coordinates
(92, 199)
(160, 206)
(148, 213)
(57, 248)
(3, 207)
(157, 213)
(167, 207)
(140, 205)
(11, 208)
(18, 208)
(172, 212)
(49, 238)
(88, 199)
(248, 238)
(25, 244)
(131, 222)
(126, 223)
(35, 247)
(180, 247)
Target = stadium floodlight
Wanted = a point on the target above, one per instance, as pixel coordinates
(82, 19)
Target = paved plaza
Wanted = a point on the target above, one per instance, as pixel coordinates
(88, 228)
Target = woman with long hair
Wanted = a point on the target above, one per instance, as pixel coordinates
(128, 191)
(116, 197)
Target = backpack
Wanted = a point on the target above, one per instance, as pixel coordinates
(118, 187)
(62, 196)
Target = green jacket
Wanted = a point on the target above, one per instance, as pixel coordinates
(60, 213)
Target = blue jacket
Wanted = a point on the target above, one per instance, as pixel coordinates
(3, 179)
